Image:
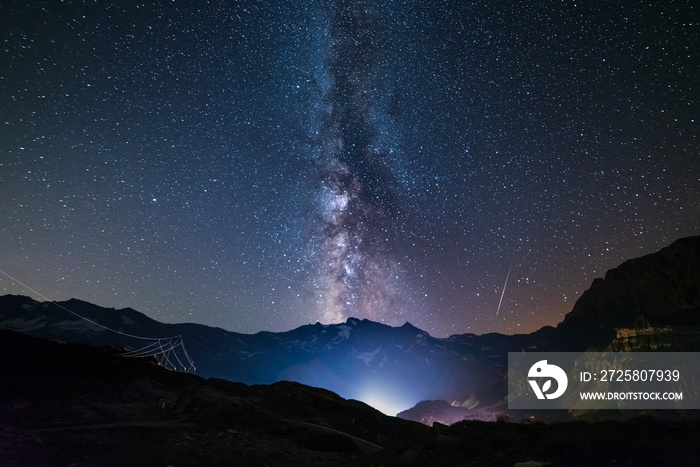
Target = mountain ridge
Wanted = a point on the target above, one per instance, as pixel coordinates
(334, 356)
(397, 367)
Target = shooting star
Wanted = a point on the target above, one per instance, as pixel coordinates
(504, 290)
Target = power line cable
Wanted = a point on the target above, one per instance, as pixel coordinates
(157, 341)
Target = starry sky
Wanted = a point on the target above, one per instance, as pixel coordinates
(467, 166)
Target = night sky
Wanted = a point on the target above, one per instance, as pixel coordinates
(260, 165)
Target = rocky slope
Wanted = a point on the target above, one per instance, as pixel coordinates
(662, 287)
(77, 405)
(71, 404)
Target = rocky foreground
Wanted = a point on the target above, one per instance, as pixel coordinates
(77, 405)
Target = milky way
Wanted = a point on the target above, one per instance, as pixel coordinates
(360, 212)
(260, 165)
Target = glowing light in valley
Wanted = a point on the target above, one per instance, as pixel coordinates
(387, 407)
(388, 398)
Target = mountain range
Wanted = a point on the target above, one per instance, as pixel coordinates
(644, 304)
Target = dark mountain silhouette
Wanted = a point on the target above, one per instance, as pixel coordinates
(76, 405)
(643, 304)
(72, 404)
(662, 288)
